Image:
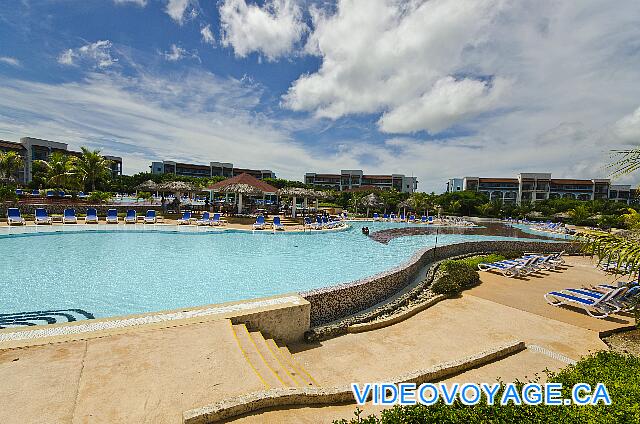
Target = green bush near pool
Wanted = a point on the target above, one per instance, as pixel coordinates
(619, 373)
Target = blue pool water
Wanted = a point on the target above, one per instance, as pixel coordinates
(119, 272)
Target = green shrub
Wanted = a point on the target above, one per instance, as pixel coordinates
(619, 373)
(511, 254)
(446, 284)
(464, 274)
(99, 197)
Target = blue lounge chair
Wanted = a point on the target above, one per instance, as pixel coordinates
(50, 193)
(19, 192)
(308, 223)
(423, 219)
(205, 220)
(131, 217)
(376, 217)
(42, 217)
(595, 305)
(61, 193)
(508, 269)
(277, 225)
(35, 192)
(392, 217)
(259, 224)
(91, 217)
(14, 217)
(402, 218)
(216, 220)
(150, 217)
(69, 216)
(412, 218)
(345, 215)
(112, 216)
(82, 195)
(430, 220)
(185, 219)
(385, 217)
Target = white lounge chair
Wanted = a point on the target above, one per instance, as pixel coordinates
(595, 305)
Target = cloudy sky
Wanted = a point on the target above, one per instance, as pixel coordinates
(435, 89)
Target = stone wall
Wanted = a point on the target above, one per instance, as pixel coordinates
(335, 302)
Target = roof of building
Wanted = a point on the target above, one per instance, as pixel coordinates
(11, 145)
(245, 178)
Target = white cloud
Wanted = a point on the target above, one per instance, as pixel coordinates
(628, 128)
(10, 61)
(141, 3)
(271, 30)
(387, 56)
(181, 10)
(447, 102)
(177, 53)
(96, 54)
(207, 35)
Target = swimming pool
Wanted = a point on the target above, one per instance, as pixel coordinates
(109, 272)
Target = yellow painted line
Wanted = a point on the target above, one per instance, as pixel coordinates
(276, 355)
(246, 357)
(264, 360)
(298, 367)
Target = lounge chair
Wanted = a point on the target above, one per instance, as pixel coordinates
(392, 217)
(277, 225)
(430, 220)
(51, 193)
(205, 220)
(307, 222)
(412, 218)
(595, 305)
(91, 217)
(216, 220)
(185, 219)
(19, 192)
(344, 215)
(423, 219)
(112, 216)
(259, 224)
(376, 217)
(508, 269)
(14, 217)
(131, 217)
(69, 216)
(42, 217)
(150, 217)
(35, 192)
(385, 217)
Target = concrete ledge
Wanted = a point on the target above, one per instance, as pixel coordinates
(394, 319)
(293, 396)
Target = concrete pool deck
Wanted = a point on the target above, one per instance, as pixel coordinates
(155, 374)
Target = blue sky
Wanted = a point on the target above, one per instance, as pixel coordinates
(436, 89)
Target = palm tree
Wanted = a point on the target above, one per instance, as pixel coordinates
(626, 162)
(10, 163)
(92, 166)
(59, 170)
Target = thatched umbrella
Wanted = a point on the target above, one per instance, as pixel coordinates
(148, 185)
(404, 205)
(177, 187)
(296, 192)
(240, 189)
(370, 201)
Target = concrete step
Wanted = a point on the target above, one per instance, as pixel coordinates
(254, 357)
(273, 362)
(295, 368)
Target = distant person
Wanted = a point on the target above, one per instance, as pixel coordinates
(163, 203)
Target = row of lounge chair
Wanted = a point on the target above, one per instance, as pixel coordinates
(525, 265)
(69, 217)
(323, 222)
(261, 223)
(206, 219)
(401, 218)
(599, 301)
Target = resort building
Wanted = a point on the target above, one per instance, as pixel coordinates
(33, 149)
(214, 169)
(531, 187)
(350, 179)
